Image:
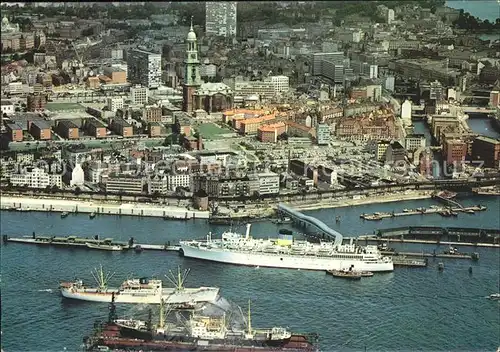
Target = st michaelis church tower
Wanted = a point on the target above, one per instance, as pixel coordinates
(192, 79)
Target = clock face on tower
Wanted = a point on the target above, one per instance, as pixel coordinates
(193, 56)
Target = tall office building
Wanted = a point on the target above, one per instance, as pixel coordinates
(144, 68)
(220, 18)
(337, 58)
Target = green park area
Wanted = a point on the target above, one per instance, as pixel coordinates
(55, 107)
(211, 131)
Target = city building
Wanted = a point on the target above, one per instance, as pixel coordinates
(250, 126)
(40, 130)
(486, 150)
(36, 178)
(15, 132)
(322, 134)
(36, 102)
(124, 184)
(154, 129)
(337, 58)
(455, 151)
(381, 149)
(114, 104)
(269, 183)
(139, 95)
(152, 114)
(406, 112)
(395, 153)
(270, 133)
(213, 97)
(77, 176)
(122, 127)
(494, 98)
(414, 142)
(7, 107)
(262, 89)
(117, 75)
(281, 84)
(67, 129)
(220, 18)
(144, 68)
(95, 128)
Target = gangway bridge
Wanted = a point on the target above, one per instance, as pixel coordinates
(300, 218)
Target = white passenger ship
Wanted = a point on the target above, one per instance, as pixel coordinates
(285, 252)
(143, 290)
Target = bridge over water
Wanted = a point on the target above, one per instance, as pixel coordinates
(297, 216)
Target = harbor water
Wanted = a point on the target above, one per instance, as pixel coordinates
(408, 309)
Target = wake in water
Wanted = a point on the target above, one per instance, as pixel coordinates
(46, 290)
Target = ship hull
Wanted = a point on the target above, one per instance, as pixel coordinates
(284, 261)
(188, 296)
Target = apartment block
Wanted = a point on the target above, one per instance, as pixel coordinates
(220, 18)
(144, 68)
(67, 129)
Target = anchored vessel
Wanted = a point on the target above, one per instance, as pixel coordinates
(143, 290)
(285, 252)
(198, 333)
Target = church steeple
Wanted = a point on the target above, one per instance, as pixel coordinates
(192, 78)
(192, 64)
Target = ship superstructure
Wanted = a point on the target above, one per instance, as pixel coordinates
(143, 290)
(286, 252)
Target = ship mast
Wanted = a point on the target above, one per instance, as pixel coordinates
(161, 324)
(178, 281)
(249, 319)
(100, 278)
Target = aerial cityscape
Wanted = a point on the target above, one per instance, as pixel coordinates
(250, 176)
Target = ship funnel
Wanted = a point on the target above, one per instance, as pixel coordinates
(247, 234)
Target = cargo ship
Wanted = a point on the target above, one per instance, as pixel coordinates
(196, 333)
(143, 290)
(285, 252)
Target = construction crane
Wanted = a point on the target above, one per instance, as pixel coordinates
(80, 63)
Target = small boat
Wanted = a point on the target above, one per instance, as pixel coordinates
(470, 211)
(406, 210)
(281, 221)
(445, 213)
(453, 213)
(366, 274)
(346, 273)
(104, 247)
(494, 296)
(138, 248)
(375, 217)
(92, 215)
(64, 214)
(440, 266)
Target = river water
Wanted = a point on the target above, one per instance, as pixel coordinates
(409, 309)
(483, 9)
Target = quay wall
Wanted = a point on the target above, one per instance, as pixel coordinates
(99, 207)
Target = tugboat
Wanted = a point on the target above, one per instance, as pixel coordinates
(346, 273)
(64, 214)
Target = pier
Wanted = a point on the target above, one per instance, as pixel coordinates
(452, 236)
(306, 220)
(444, 211)
(81, 242)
